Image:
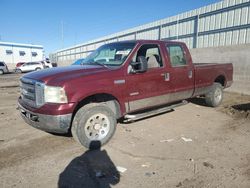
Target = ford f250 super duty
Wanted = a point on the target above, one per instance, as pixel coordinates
(123, 80)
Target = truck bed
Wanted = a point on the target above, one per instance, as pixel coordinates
(208, 73)
(215, 67)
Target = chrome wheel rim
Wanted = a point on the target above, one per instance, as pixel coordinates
(97, 127)
(217, 95)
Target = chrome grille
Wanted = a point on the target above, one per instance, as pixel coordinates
(28, 91)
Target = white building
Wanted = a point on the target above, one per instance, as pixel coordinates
(12, 53)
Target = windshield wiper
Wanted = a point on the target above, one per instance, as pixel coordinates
(97, 63)
(101, 64)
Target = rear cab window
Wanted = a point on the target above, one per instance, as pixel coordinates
(176, 55)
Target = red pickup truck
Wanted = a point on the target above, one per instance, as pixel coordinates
(122, 80)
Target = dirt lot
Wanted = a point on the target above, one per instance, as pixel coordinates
(192, 146)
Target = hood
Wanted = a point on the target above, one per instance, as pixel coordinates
(56, 76)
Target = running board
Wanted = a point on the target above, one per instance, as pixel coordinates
(133, 117)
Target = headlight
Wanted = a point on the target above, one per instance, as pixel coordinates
(54, 94)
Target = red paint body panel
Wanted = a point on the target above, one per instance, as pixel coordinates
(80, 82)
(205, 74)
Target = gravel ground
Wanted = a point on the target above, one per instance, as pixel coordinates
(192, 146)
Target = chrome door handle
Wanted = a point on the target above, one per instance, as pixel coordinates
(190, 74)
(166, 76)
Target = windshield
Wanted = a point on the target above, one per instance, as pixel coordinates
(110, 54)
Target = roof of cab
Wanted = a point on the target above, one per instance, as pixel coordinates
(146, 41)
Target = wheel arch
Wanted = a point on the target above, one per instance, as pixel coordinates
(111, 101)
(221, 79)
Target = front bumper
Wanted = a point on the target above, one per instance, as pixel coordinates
(48, 123)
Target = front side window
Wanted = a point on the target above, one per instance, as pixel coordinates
(176, 55)
(34, 63)
(1, 64)
(152, 54)
(112, 55)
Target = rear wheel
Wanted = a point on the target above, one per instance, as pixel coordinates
(18, 71)
(1, 72)
(215, 96)
(37, 69)
(93, 122)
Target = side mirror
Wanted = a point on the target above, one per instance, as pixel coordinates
(140, 66)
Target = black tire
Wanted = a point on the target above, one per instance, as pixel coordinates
(1, 72)
(18, 71)
(84, 130)
(37, 69)
(215, 96)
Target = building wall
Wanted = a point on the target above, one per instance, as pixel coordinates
(238, 55)
(219, 24)
(10, 53)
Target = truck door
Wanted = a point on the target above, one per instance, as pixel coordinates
(148, 88)
(181, 73)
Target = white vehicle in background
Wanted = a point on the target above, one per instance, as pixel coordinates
(3, 68)
(47, 64)
(31, 66)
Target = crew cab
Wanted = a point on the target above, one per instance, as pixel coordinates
(123, 80)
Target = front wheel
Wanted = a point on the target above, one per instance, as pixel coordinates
(19, 71)
(1, 72)
(37, 69)
(215, 96)
(93, 122)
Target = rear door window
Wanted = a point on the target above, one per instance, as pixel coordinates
(1, 64)
(176, 55)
